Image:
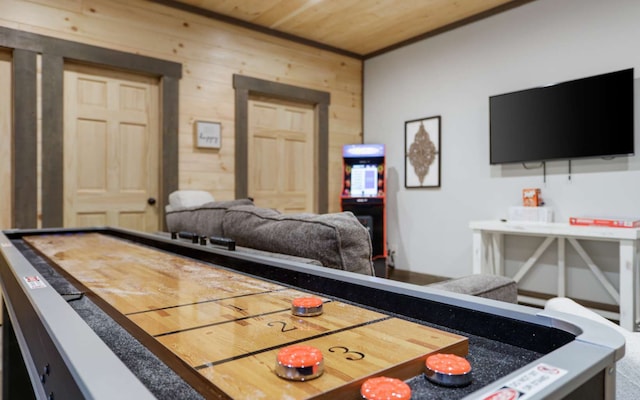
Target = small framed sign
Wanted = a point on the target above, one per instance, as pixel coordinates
(208, 135)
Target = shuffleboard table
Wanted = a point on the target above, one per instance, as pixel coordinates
(104, 313)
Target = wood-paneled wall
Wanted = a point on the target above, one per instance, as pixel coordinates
(5, 140)
(210, 52)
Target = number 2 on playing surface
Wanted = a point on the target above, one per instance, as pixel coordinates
(284, 327)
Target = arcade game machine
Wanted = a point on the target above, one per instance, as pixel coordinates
(363, 193)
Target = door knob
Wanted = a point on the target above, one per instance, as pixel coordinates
(151, 201)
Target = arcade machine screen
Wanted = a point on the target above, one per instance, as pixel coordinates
(364, 181)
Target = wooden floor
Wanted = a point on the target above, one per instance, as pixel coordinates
(175, 305)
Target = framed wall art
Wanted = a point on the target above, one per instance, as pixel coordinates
(208, 135)
(422, 153)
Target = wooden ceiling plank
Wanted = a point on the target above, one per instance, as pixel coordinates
(357, 26)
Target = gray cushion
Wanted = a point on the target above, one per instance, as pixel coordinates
(202, 220)
(490, 286)
(337, 240)
(278, 256)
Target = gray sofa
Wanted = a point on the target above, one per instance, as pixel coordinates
(335, 240)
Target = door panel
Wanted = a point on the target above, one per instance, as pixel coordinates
(91, 219)
(133, 174)
(91, 162)
(281, 155)
(111, 149)
(264, 180)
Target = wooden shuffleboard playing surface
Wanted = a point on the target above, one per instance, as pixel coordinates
(221, 330)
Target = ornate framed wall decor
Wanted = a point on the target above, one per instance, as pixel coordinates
(422, 153)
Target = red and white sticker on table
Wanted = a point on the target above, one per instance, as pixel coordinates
(527, 384)
(34, 282)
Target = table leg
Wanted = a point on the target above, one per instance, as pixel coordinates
(628, 284)
(488, 257)
(562, 273)
(479, 252)
(497, 252)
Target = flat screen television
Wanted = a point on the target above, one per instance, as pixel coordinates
(589, 117)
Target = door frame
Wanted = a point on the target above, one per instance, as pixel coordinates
(26, 46)
(245, 87)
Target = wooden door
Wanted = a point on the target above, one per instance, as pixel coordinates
(111, 149)
(281, 155)
(5, 140)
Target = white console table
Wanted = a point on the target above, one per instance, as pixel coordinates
(488, 256)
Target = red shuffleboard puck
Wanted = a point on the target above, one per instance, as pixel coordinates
(448, 370)
(299, 363)
(306, 306)
(383, 388)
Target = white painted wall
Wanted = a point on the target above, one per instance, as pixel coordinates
(453, 75)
